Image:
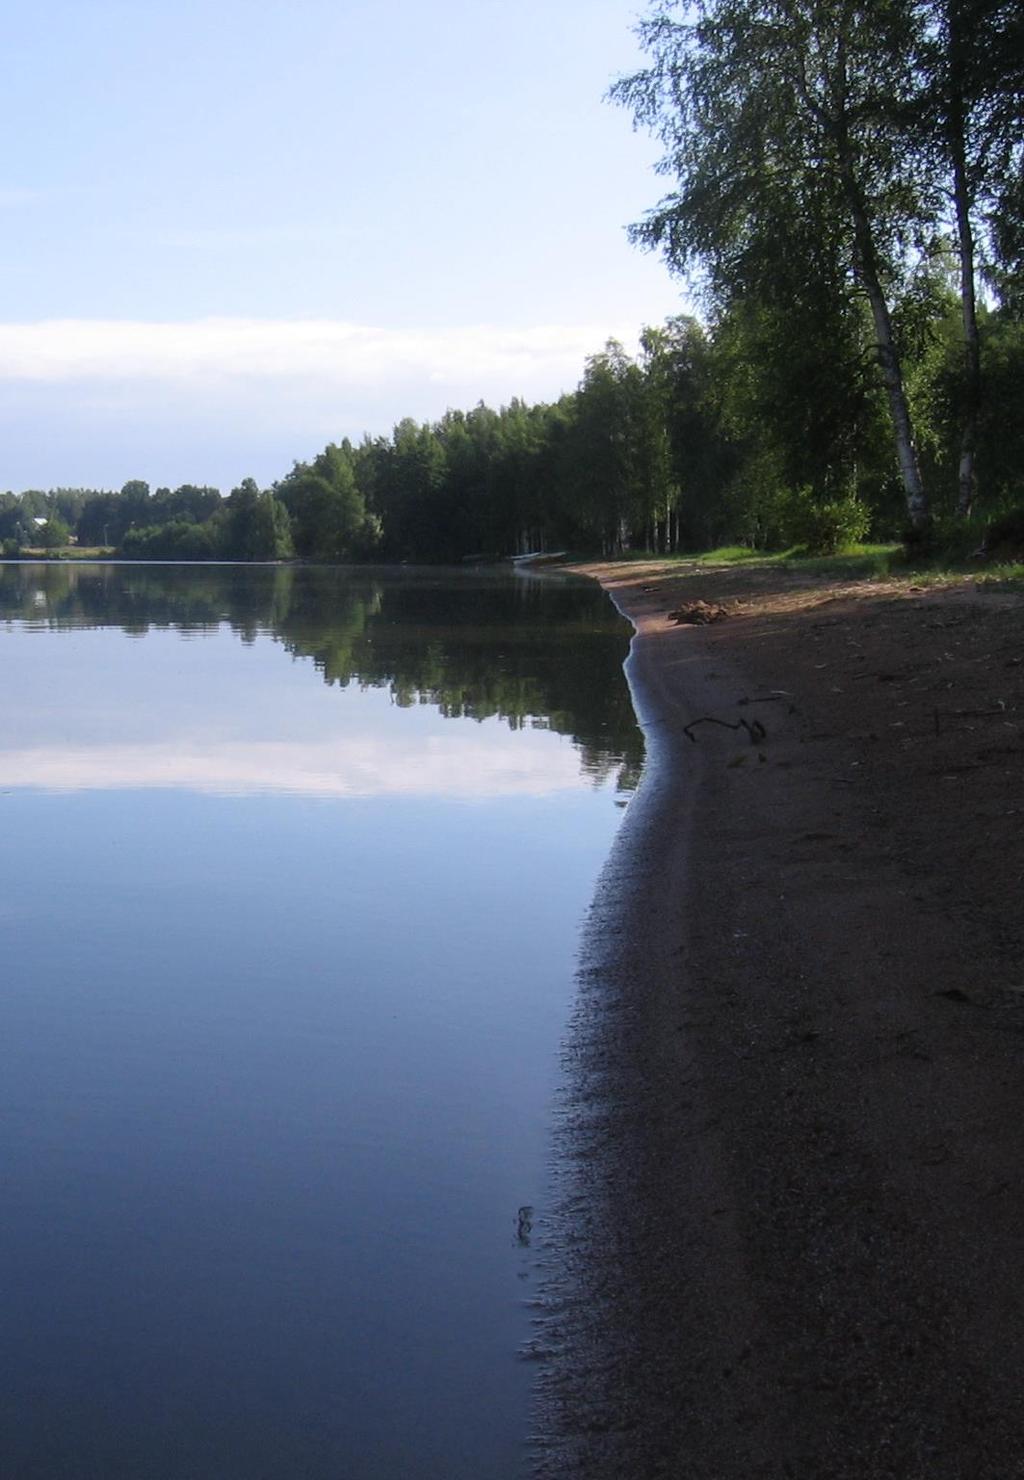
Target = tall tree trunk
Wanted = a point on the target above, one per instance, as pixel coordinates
(866, 263)
(967, 479)
(892, 376)
(835, 122)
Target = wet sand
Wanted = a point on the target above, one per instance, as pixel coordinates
(791, 1235)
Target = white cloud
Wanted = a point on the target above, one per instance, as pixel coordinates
(325, 350)
(462, 767)
(90, 402)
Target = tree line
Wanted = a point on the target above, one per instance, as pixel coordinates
(847, 198)
(733, 433)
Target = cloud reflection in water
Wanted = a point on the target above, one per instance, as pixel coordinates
(460, 766)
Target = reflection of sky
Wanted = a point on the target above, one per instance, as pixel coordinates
(88, 710)
(277, 1082)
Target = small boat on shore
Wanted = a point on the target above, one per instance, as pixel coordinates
(539, 557)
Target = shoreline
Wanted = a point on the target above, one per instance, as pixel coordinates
(793, 1216)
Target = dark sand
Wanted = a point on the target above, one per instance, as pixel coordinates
(791, 1241)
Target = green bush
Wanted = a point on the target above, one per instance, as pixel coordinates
(175, 540)
(824, 526)
(54, 534)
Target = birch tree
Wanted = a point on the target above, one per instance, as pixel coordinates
(970, 107)
(791, 176)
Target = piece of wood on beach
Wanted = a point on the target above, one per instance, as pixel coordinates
(697, 614)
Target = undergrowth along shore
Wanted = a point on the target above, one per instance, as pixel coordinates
(862, 562)
(855, 563)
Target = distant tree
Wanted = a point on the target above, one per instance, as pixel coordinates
(190, 502)
(327, 510)
(608, 488)
(134, 506)
(104, 519)
(176, 540)
(54, 534)
(256, 525)
(35, 504)
(414, 487)
(14, 523)
(68, 503)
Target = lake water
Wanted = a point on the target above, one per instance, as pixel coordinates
(293, 868)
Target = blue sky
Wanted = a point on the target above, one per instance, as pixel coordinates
(230, 232)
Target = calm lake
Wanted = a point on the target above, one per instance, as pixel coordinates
(294, 863)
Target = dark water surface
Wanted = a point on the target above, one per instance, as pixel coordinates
(293, 865)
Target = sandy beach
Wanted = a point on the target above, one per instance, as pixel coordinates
(791, 1235)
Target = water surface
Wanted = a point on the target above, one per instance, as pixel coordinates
(293, 866)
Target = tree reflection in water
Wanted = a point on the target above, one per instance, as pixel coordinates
(535, 650)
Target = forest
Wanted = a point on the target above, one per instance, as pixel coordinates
(846, 203)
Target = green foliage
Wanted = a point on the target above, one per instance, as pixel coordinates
(1001, 473)
(255, 526)
(15, 524)
(818, 153)
(54, 534)
(325, 506)
(791, 194)
(823, 526)
(176, 540)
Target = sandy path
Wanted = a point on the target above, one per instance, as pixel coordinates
(794, 1210)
